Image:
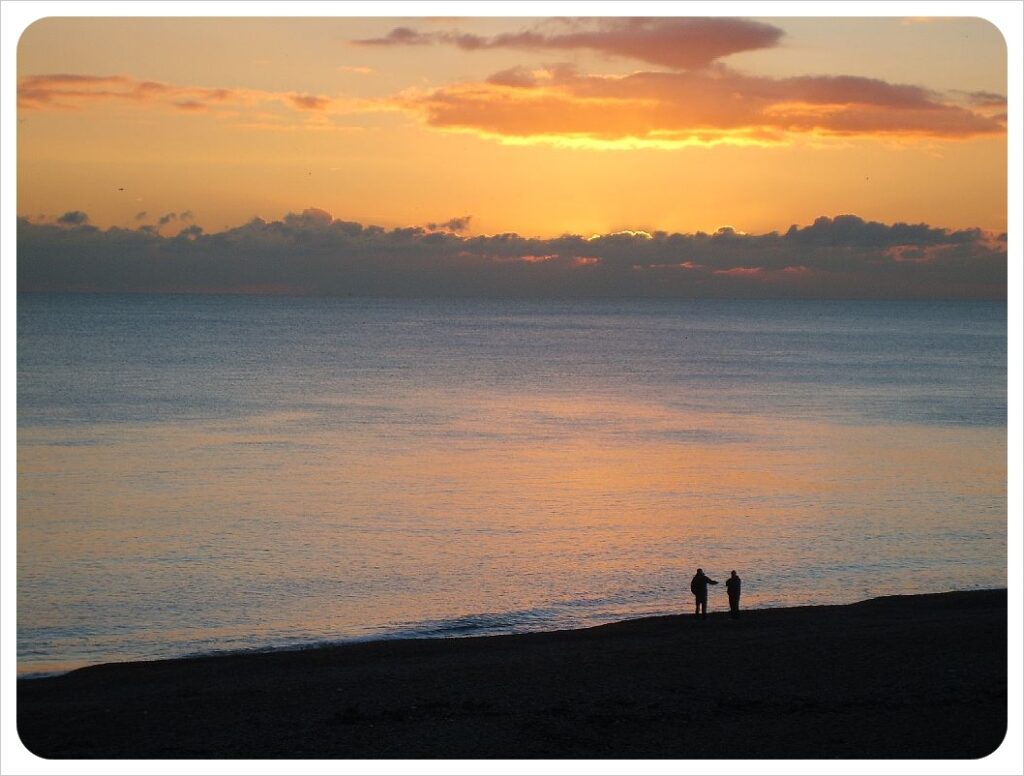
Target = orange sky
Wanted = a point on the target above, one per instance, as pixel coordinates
(540, 127)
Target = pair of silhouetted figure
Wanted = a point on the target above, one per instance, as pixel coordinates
(699, 588)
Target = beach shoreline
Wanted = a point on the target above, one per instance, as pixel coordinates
(919, 676)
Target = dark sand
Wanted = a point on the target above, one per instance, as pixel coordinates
(898, 677)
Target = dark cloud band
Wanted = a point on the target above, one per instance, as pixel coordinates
(313, 253)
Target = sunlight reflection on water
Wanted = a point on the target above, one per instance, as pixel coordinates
(199, 474)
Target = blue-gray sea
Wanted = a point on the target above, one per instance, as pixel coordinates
(205, 473)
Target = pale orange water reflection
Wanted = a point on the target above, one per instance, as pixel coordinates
(281, 524)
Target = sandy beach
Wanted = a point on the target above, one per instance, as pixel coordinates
(898, 677)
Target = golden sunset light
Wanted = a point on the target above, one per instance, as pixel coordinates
(467, 382)
(540, 127)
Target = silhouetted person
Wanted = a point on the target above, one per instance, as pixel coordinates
(699, 588)
(732, 587)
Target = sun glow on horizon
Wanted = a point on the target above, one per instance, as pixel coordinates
(473, 117)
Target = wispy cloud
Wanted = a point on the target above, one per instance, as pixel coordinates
(73, 92)
(682, 44)
(312, 252)
(693, 100)
(309, 101)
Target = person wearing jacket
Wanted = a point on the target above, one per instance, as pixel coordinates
(732, 587)
(699, 588)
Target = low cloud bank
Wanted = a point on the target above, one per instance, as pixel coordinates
(314, 253)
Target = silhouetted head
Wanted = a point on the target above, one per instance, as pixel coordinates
(734, 572)
(700, 571)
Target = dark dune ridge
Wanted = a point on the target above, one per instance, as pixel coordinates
(897, 677)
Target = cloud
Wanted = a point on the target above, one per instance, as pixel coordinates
(309, 219)
(848, 230)
(669, 109)
(680, 44)
(184, 217)
(986, 103)
(190, 106)
(314, 253)
(38, 91)
(456, 225)
(520, 77)
(692, 98)
(73, 218)
(75, 92)
(400, 36)
(309, 101)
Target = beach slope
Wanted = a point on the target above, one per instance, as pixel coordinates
(897, 677)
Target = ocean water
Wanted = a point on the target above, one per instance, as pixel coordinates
(200, 473)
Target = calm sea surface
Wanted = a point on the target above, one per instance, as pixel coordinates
(221, 473)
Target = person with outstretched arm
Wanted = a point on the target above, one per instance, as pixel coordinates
(699, 588)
